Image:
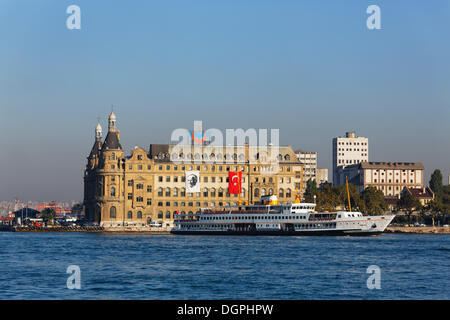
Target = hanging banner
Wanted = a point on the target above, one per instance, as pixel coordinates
(192, 181)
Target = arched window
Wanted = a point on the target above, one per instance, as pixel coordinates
(113, 156)
(113, 192)
(205, 192)
(270, 191)
(167, 192)
(139, 215)
(243, 192)
(112, 212)
(241, 157)
(288, 193)
(183, 192)
(281, 193)
(160, 215)
(256, 193)
(168, 215)
(213, 192)
(220, 192)
(175, 192)
(263, 192)
(287, 157)
(130, 215)
(160, 192)
(197, 156)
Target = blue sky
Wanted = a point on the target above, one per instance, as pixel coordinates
(310, 68)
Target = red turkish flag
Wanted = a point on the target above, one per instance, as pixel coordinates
(234, 182)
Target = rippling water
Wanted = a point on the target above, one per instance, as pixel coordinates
(140, 266)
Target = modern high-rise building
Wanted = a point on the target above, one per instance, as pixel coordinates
(348, 150)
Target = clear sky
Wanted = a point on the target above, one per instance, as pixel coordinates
(310, 68)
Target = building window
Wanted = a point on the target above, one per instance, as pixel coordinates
(130, 215)
(288, 193)
(220, 192)
(139, 186)
(256, 193)
(160, 215)
(113, 192)
(112, 212)
(183, 192)
(167, 192)
(149, 201)
(281, 193)
(205, 192)
(140, 199)
(213, 192)
(160, 192)
(130, 183)
(175, 192)
(139, 215)
(149, 188)
(130, 196)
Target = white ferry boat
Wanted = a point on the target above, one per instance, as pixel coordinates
(271, 218)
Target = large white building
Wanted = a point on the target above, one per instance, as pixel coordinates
(389, 177)
(347, 151)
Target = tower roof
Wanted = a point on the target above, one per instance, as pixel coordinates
(111, 141)
(112, 116)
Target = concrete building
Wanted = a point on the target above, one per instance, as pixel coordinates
(150, 185)
(322, 176)
(348, 150)
(309, 161)
(389, 177)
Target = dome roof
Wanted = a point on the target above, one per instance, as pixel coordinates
(98, 127)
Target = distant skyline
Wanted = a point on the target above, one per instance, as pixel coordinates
(311, 69)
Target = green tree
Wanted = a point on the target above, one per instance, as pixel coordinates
(48, 215)
(374, 201)
(311, 190)
(436, 209)
(436, 185)
(408, 203)
(355, 200)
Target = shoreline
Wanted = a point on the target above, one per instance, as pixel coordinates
(418, 230)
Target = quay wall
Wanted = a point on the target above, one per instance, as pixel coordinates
(418, 230)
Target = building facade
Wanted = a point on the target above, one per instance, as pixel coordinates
(309, 161)
(150, 185)
(322, 176)
(348, 150)
(389, 177)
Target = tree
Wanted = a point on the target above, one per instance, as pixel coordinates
(436, 209)
(374, 201)
(48, 215)
(436, 185)
(408, 203)
(311, 190)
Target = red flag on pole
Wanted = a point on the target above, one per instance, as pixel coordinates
(234, 182)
